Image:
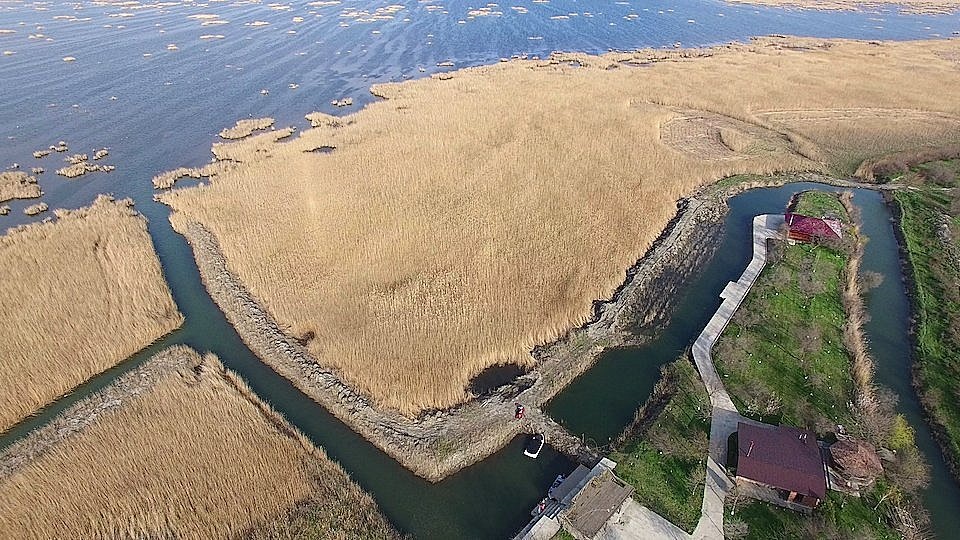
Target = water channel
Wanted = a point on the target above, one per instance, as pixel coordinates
(158, 108)
(603, 400)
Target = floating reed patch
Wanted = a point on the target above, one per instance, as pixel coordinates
(78, 296)
(167, 179)
(35, 209)
(246, 127)
(927, 7)
(18, 185)
(319, 119)
(250, 147)
(82, 167)
(459, 223)
(179, 448)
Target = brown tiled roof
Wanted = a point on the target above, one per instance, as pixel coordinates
(857, 458)
(782, 457)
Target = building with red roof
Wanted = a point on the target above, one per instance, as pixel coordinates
(806, 229)
(784, 462)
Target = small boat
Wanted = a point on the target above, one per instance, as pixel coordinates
(534, 445)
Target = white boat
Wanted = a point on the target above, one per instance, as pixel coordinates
(534, 445)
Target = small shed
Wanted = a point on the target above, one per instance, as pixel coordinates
(807, 229)
(856, 462)
(784, 463)
(596, 503)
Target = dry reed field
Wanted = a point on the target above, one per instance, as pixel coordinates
(245, 127)
(931, 7)
(461, 221)
(18, 185)
(78, 296)
(192, 453)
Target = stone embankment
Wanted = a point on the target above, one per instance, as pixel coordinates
(439, 443)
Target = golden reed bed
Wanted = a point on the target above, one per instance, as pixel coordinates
(462, 220)
(77, 296)
(179, 448)
(928, 7)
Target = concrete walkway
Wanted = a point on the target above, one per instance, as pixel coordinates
(725, 416)
(635, 521)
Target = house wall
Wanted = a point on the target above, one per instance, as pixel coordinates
(770, 494)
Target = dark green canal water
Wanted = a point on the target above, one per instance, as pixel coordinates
(600, 403)
(491, 499)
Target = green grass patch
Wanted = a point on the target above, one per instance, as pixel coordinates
(927, 215)
(666, 461)
(837, 517)
(820, 204)
(730, 181)
(782, 357)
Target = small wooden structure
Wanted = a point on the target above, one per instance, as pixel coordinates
(854, 463)
(807, 229)
(596, 503)
(781, 465)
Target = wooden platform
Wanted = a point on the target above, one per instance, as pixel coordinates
(596, 504)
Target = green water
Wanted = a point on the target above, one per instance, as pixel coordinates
(491, 499)
(600, 403)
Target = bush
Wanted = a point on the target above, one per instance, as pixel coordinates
(901, 434)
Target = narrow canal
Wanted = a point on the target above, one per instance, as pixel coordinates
(491, 499)
(601, 402)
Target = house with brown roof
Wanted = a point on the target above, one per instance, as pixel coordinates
(781, 465)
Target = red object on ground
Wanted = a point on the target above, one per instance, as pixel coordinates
(805, 228)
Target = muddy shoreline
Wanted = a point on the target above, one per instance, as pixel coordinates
(906, 270)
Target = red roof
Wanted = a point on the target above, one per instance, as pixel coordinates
(806, 227)
(782, 457)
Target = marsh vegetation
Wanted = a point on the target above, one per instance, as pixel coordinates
(930, 7)
(439, 239)
(78, 295)
(18, 185)
(245, 127)
(191, 453)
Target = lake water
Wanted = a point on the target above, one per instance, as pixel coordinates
(155, 83)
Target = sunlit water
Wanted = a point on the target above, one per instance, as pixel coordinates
(155, 83)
